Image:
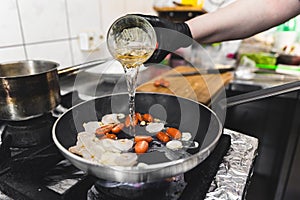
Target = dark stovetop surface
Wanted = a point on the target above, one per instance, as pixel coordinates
(42, 173)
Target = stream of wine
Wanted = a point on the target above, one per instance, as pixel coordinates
(131, 62)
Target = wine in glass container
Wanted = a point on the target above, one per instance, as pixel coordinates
(131, 40)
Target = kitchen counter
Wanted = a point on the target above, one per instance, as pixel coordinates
(274, 121)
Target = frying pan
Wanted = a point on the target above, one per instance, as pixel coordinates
(30, 88)
(187, 115)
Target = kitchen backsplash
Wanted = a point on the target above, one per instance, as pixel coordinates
(65, 31)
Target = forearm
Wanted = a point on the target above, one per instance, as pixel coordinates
(242, 19)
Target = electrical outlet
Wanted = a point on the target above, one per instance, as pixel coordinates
(90, 41)
(97, 41)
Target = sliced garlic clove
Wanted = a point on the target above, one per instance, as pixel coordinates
(110, 119)
(174, 145)
(186, 136)
(126, 159)
(123, 144)
(154, 127)
(91, 126)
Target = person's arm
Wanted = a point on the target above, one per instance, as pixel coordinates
(241, 19)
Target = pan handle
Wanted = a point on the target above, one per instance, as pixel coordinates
(76, 68)
(261, 94)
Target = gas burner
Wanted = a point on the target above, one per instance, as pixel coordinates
(168, 189)
(30, 132)
(35, 131)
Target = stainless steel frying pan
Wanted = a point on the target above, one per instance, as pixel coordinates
(187, 115)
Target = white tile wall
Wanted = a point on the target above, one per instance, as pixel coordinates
(55, 51)
(12, 54)
(138, 6)
(49, 29)
(110, 11)
(84, 16)
(44, 20)
(10, 33)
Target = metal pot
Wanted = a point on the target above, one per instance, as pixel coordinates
(30, 88)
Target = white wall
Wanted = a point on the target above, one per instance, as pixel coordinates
(49, 29)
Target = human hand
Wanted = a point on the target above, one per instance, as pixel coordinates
(170, 36)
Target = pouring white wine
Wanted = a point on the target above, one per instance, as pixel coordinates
(133, 58)
(131, 40)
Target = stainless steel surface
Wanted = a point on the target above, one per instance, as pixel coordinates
(28, 89)
(271, 77)
(261, 94)
(292, 186)
(275, 121)
(80, 67)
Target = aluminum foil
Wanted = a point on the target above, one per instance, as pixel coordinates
(4, 197)
(231, 180)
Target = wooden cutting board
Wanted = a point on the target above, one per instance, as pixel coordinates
(200, 87)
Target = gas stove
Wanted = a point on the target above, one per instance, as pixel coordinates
(32, 168)
(42, 173)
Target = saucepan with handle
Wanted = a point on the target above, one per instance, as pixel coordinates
(30, 88)
(190, 116)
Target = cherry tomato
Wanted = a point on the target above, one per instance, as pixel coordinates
(162, 137)
(143, 138)
(117, 128)
(165, 84)
(111, 136)
(127, 121)
(139, 117)
(141, 146)
(174, 133)
(147, 117)
(161, 83)
(104, 129)
(157, 83)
